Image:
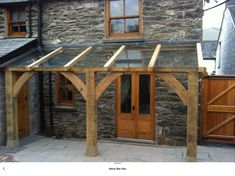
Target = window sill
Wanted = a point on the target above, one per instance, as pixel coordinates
(123, 40)
(65, 109)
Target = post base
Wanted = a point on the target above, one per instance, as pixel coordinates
(13, 143)
(191, 159)
(92, 151)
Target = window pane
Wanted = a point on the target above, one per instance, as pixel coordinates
(62, 80)
(144, 94)
(13, 16)
(117, 26)
(63, 92)
(15, 28)
(131, 7)
(70, 95)
(126, 94)
(132, 25)
(22, 28)
(116, 8)
(21, 15)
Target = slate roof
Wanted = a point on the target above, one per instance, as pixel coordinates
(12, 1)
(209, 49)
(10, 48)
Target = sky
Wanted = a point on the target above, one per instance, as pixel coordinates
(212, 20)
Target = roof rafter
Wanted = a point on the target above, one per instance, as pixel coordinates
(114, 57)
(44, 58)
(199, 55)
(68, 65)
(154, 56)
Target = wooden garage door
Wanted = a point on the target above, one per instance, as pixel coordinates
(219, 109)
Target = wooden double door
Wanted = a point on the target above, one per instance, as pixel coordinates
(135, 103)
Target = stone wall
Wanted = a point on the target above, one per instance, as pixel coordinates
(83, 21)
(34, 114)
(2, 110)
(172, 19)
(171, 114)
(2, 23)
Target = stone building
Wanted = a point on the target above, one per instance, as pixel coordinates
(225, 57)
(54, 107)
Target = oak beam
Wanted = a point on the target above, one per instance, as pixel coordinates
(154, 57)
(11, 111)
(114, 57)
(102, 86)
(112, 69)
(77, 82)
(176, 86)
(44, 58)
(199, 55)
(77, 58)
(192, 116)
(91, 116)
(21, 81)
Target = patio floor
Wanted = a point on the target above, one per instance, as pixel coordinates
(42, 149)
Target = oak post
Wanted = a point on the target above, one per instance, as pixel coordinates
(91, 116)
(192, 116)
(11, 111)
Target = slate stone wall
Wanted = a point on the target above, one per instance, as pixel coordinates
(171, 114)
(2, 24)
(34, 114)
(2, 110)
(79, 22)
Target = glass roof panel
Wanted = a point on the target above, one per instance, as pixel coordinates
(178, 57)
(62, 58)
(135, 57)
(97, 57)
(25, 60)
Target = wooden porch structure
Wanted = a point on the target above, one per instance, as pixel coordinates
(91, 92)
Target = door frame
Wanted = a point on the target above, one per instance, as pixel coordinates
(135, 96)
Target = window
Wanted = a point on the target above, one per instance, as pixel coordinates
(65, 91)
(124, 18)
(16, 21)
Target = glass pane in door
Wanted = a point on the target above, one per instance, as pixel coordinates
(144, 94)
(126, 94)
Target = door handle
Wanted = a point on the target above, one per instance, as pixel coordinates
(133, 108)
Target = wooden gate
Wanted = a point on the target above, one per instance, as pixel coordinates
(218, 122)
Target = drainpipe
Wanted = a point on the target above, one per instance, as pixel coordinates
(50, 100)
(30, 19)
(41, 102)
(41, 76)
(39, 14)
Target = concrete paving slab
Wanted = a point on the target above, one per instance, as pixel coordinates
(44, 149)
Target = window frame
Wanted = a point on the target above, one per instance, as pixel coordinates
(10, 23)
(123, 35)
(60, 101)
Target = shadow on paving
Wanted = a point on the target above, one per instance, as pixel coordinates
(23, 143)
